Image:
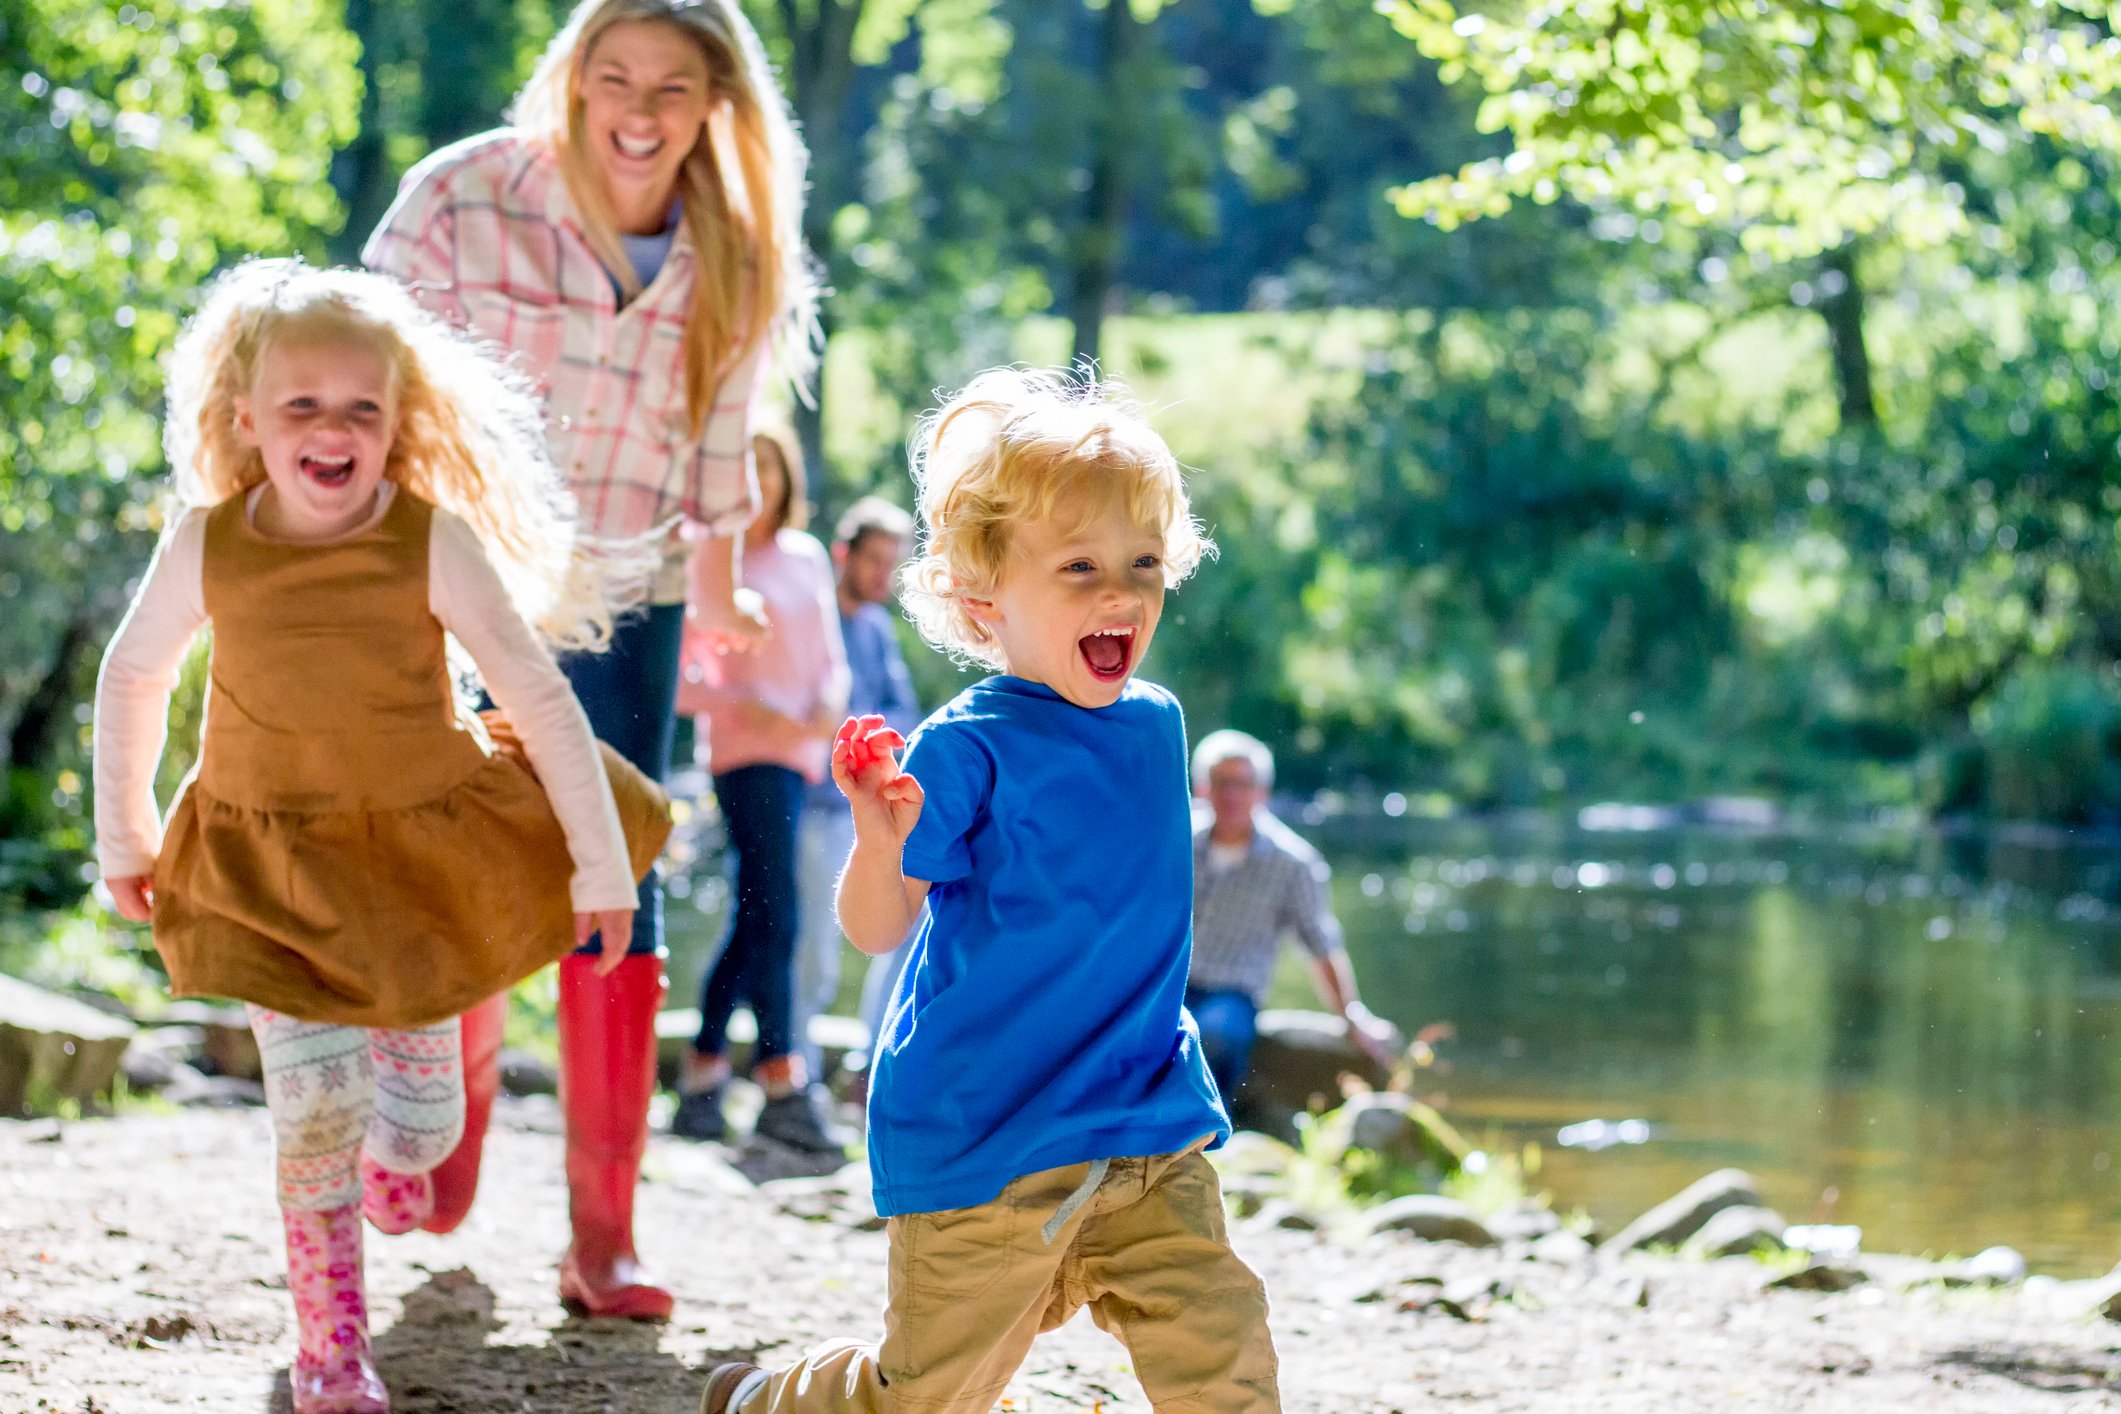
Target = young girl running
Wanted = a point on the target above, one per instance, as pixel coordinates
(351, 857)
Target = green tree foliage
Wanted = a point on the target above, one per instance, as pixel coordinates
(146, 145)
(1797, 122)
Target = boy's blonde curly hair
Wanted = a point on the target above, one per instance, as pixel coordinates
(1018, 445)
(470, 437)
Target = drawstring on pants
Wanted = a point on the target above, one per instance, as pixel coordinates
(1084, 1192)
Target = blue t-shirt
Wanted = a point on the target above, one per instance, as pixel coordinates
(1041, 1020)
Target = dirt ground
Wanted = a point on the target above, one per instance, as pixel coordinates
(140, 1270)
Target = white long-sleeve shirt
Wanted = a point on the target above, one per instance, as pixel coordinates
(464, 594)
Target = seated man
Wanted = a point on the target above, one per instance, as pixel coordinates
(1255, 880)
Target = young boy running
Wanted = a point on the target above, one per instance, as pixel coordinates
(1039, 1104)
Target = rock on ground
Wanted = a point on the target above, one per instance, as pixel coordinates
(1683, 1214)
(140, 1270)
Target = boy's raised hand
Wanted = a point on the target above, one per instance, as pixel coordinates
(865, 768)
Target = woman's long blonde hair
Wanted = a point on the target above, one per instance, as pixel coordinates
(755, 279)
(470, 437)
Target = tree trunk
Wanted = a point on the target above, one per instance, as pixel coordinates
(820, 77)
(1097, 248)
(35, 736)
(1843, 313)
(360, 170)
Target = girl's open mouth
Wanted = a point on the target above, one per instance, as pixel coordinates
(328, 472)
(637, 148)
(1107, 653)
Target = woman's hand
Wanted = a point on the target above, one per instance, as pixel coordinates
(616, 924)
(733, 625)
(884, 797)
(133, 896)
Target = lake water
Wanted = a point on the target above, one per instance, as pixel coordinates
(1920, 1035)
(1915, 1034)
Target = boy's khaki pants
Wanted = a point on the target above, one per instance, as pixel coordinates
(970, 1288)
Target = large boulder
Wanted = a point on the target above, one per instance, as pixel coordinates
(53, 1048)
(226, 1044)
(1679, 1217)
(1297, 1064)
(1430, 1218)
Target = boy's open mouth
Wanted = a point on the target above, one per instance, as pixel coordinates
(1107, 652)
(330, 472)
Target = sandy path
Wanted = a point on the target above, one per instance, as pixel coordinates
(140, 1270)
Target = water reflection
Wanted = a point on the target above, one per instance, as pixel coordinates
(1911, 1033)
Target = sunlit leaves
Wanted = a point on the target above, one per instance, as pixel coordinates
(142, 146)
(1797, 123)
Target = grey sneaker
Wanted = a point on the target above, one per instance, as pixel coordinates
(800, 1121)
(699, 1114)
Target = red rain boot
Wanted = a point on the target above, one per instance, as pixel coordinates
(455, 1180)
(334, 1372)
(607, 1074)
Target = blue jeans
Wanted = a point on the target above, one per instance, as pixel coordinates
(1229, 1024)
(760, 805)
(630, 692)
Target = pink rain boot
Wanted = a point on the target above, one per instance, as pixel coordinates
(394, 1202)
(333, 1373)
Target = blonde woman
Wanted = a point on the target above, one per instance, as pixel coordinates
(634, 241)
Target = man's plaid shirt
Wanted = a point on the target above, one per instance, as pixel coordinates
(485, 235)
(1241, 911)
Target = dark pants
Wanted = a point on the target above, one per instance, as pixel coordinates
(1229, 1024)
(630, 693)
(760, 805)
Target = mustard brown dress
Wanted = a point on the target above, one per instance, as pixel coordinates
(350, 848)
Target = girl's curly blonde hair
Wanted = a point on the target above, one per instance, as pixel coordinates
(1018, 445)
(470, 438)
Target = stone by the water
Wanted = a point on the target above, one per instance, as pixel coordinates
(1430, 1218)
(1560, 1248)
(1821, 1276)
(1736, 1232)
(1679, 1217)
(1993, 1266)
(1400, 1126)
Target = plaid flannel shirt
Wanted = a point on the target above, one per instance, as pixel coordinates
(485, 234)
(1240, 912)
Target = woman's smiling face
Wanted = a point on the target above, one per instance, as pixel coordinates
(646, 94)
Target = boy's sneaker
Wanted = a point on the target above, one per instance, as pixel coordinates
(798, 1119)
(722, 1385)
(699, 1114)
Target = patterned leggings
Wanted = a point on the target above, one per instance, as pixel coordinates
(334, 1090)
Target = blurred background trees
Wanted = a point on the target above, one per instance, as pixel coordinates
(1651, 400)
